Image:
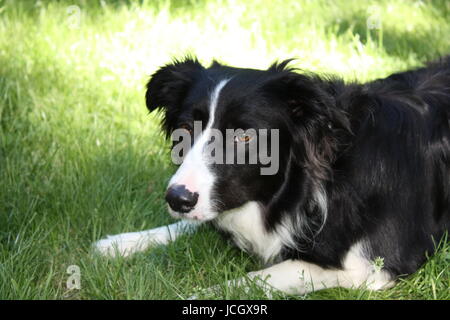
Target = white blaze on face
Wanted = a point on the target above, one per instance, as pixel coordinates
(194, 173)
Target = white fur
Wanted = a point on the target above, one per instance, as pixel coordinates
(299, 277)
(299, 226)
(245, 225)
(125, 244)
(320, 197)
(194, 172)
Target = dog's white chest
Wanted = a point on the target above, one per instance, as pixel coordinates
(246, 226)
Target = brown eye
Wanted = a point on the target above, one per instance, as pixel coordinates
(243, 137)
(187, 127)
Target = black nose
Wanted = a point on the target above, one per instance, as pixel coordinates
(181, 199)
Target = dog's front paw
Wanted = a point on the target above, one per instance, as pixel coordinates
(219, 291)
(206, 293)
(245, 284)
(125, 244)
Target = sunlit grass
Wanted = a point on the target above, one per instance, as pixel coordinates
(81, 158)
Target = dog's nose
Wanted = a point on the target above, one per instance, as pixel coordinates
(181, 199)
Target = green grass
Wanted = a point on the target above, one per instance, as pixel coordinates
(81, 158)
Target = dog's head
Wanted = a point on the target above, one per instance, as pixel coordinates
(272, 119)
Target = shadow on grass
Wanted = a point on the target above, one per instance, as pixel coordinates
(426, 44)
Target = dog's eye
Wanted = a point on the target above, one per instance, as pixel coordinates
(243, 137)
(187, 127)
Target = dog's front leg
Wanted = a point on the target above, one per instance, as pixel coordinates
(125, 244)
(295, 277)
(290, 277)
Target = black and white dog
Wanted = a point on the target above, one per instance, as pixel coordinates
(363, 172)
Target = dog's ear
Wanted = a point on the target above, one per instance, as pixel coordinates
(315, 123)
(302, 95)
(169, 85)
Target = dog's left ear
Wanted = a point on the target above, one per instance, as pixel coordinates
(315, 123)
(302, 95)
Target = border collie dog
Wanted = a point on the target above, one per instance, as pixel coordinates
(363, 174)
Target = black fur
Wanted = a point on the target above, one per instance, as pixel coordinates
(380, 151)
